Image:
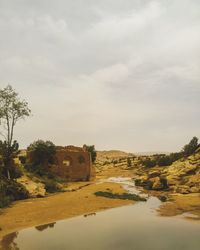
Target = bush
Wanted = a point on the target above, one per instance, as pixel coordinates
(51, 186)
(149, 163)
(10, 191)
(124, 196)
(36, 169)
(5, 200)
(42, 152)
(22, 159)
(92, 151)
(164, 161)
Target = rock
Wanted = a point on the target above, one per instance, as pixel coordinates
(156, 184)
(143, 181)
(182, 189)
(172, 179)
(194, 190)
(154, 173)
(162, 198)
(35, 189)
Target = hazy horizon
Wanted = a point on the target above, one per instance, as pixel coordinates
(117, 74)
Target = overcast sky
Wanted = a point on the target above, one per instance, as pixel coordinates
(120, 74)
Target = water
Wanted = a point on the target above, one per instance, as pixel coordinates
(133, 227)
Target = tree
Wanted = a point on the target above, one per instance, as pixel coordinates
(92, 151)
(149, 163)
(7, 159)
(164, 160)
(190, 148)
(42, 153)
(12, 109)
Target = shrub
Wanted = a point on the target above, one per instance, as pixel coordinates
(124, 196)
(51, 186)
(41, 153)
(92, 151)
(22, 159)
(4, 200)
(149, 163)
(164, 161)
(10, 190)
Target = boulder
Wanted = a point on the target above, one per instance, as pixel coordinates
(194, 189)
(143, 181)
(159, 183)
(172, 180)
(182, 189)
(35, 189)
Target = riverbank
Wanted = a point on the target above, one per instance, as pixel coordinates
(80, 200)
(188, 204)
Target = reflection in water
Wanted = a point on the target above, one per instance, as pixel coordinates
(133, 227)
(8, 243)
(43, 227)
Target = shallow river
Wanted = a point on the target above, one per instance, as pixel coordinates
(131, 227)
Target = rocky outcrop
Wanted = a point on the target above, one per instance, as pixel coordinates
(183, 176)
(34, 188)
(155, 183)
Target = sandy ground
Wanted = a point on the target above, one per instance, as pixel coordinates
(180, 204)
(32, 212)
(81, 200)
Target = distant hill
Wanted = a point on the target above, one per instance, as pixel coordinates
(152, 153)
(111, 154)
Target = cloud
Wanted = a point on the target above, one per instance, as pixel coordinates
(117, 74)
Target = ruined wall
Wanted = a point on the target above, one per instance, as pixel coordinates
(72, 164)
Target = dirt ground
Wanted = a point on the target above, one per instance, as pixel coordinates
(181, 204)
(81, 200)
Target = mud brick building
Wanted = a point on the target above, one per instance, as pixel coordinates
(73, 163)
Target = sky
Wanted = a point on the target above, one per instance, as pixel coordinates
(119, 74)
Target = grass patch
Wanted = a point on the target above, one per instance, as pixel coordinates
(124, 196)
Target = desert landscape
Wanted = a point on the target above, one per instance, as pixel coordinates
(114, 170)
(99, 125)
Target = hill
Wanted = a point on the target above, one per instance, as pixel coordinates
(183, 176)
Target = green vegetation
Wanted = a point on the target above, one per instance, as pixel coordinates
(124, 196)
(149, 163)
(166, 160)
(10, 190)
(41, 156)
(92, 151)
(51, 185)
(42, 153)
(7, 167)
(12, 109)
(191, 147)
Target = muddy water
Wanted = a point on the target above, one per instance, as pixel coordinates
(132, 227)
